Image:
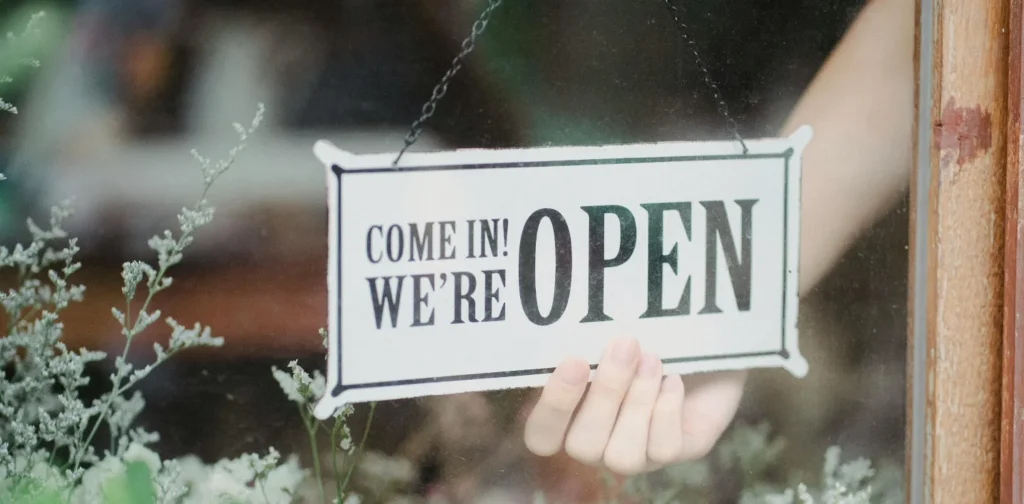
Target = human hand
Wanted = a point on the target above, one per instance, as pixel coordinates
(633, 419)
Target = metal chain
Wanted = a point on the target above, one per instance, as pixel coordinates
(722, 108)
(442, 87)
(481, 24)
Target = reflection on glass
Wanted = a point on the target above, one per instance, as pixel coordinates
(124, 91)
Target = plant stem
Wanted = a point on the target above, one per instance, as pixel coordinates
(362, 444)
(311, 428)
(263, 490)
(23, 316)
(14, 318)
(334, 456)
(154, 287)
(103, 411)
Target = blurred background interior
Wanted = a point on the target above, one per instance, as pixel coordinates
(128, 87)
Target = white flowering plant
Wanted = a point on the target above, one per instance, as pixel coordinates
(47, 430)
(746, 455)
(16, 57)
(303, 389)
(48, 448)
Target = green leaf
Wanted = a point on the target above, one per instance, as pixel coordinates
(134, 486)
(48, 497)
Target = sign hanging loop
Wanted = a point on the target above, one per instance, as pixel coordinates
(480, 25)
(722, 107)
(442, 87)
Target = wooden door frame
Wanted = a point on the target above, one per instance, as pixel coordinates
(1012, 416)
(965, 437)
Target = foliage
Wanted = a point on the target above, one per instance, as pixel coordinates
(47, 430)
(746, 454)
(16, 56)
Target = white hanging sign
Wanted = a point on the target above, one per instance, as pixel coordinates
(475, 270)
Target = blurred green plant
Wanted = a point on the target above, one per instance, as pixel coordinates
(509, 53)
(133, 486)
(30, 31)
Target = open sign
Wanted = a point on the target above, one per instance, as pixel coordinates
(478, 270)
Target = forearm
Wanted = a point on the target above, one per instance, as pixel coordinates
(861, 107)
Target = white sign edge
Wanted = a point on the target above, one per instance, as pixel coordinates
(332, 158)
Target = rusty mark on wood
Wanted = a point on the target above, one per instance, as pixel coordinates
(963, 132)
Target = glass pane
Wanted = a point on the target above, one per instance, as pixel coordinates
(111, 98)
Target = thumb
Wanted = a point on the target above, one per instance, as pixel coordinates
(711, 402)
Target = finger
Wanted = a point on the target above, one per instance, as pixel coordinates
(546, 424)
(626, 453)
(711, 402)
(589, 433)
(665, 444)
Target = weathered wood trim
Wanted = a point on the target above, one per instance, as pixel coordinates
(921, 262)
(1012, 431)
(958, 195)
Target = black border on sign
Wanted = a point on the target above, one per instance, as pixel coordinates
(339, 171)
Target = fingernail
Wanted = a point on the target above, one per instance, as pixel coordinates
(650, 366)
(672, 383)
(624, 351)
(572, 374)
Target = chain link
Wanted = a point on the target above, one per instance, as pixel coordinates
(481, 24)
(722, 107)
(442, 87)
